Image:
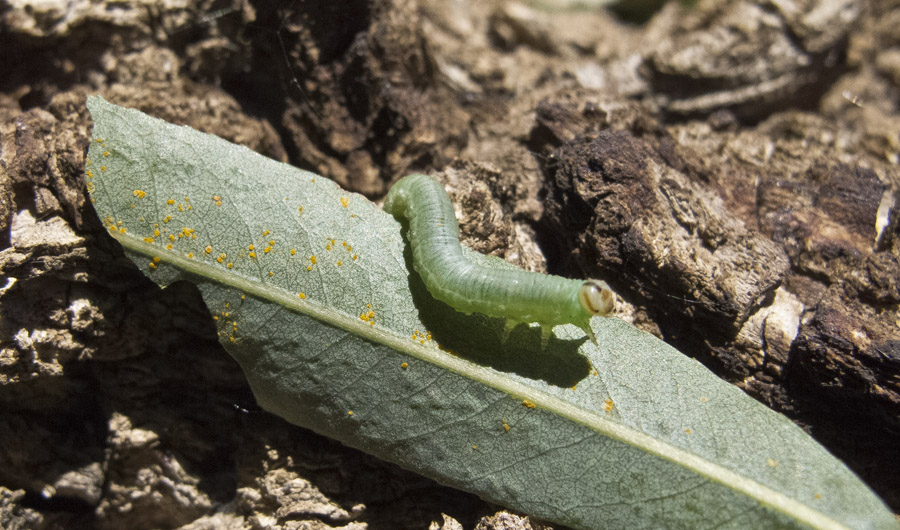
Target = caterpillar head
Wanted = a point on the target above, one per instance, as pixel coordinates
(596, 297)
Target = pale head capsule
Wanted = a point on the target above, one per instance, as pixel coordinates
(596, 298)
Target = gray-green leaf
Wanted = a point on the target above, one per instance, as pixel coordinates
(313, 295)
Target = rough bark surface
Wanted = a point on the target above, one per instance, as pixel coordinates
(731, 169)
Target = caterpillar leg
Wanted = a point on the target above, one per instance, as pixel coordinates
(546, 333)
(508, 326)
(588, 331)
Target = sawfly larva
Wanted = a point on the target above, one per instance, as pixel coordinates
(516, 295)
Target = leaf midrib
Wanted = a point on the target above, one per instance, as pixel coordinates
(763, 494)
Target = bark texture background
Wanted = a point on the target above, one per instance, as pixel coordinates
(731, 169)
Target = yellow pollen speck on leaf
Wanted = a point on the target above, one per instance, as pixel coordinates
(140, 194)
(156, 233)
(169, 246)
(308, 268)
(271, 274)
(528, 404)
(300, 209)
(123, 230)
(355, 256)
(156, 259)
(265, 233)
(302, 296)
(339, 263)
(102, 168)
(506, 426)
(191, 255)
(148, 240)
(171, 237)
(208, 249)
(349, 413)
(152, 265)
(167, 219)
(312, 259)
(252, 255)
(267, 250)
(608, 405)
(170, 202)
(272, 242)
(293, 252)
(345, 202)
(251, 247)
(230, 265)
(404, 366)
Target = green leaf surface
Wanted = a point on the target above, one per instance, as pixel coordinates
(312, 293)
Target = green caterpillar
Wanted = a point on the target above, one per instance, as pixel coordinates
(516, 295)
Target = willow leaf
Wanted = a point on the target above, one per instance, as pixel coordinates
(313, 295)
